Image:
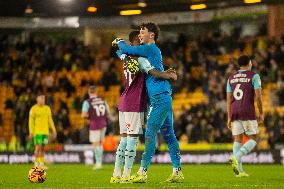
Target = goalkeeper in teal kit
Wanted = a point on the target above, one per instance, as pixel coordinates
(160, 115)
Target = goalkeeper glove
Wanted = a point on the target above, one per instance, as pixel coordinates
(116, 41)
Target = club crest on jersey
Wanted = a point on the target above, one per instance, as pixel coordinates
(133, 66)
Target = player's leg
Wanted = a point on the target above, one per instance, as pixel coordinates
(237, 132)
(37, 154)
(41, 156)
(153, 126)
(236, 148)
(37, 150)
(101, 150)
(169, 137)
(251, 129)
(156, 117)
(120, 151)
(39, 141)
(120, 156)
(95, 140)
(43, 142)
(134, 120)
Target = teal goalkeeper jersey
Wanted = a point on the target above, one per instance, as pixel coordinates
(153, 54)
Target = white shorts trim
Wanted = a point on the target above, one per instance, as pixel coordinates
(249, 127)
(131, 122)
(97, 135)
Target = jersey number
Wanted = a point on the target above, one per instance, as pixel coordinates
(100, 110)
(238, 93)
(128, 76)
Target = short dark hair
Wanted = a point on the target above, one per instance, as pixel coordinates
(134, 34)
(152, 27)
(243, 60)
(92, 89)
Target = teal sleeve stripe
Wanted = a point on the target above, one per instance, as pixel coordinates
(256, 82)
(228, 88)
(85, 107)
(144, 65)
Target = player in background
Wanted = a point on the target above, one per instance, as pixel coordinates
(160, 115)
(131, 109)
(40, 121)
(96, 111)
(242, 87)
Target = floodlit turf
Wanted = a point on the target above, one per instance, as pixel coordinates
(196, 176)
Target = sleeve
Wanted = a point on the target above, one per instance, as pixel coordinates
(145, 65)
(256, 82)
(85, 107)
(50, 121)
(228, 88)
(141, 50)
(120, 54)
(31, 121)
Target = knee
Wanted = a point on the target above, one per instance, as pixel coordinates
(37, 149)
(132, 142)
(123, 141)
(238, 138)
(149, 136)
(253, 137)
(96, 144)
(168, 135)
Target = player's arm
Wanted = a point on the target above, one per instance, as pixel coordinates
(146, 67)
(120, 55)
(85, 110)
(168, 74)
(50, 122)
(257, 90)
(141, 50)
(229, 101)
(31, 123)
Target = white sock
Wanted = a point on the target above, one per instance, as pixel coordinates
(98, 155)
(126, 172)
(119, 158)
(141, 171)
(117, 172)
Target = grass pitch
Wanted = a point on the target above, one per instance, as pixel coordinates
(196, 176)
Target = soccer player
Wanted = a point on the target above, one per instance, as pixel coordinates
(131, 109)
(160, 115)
(40, 121)
(242, 87)
(96, 110)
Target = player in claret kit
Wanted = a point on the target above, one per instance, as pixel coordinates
(96, 111)
(242, 87)
(132, 107)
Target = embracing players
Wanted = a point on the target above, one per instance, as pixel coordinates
(242, 87)
(160, 115)
(131, 109)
